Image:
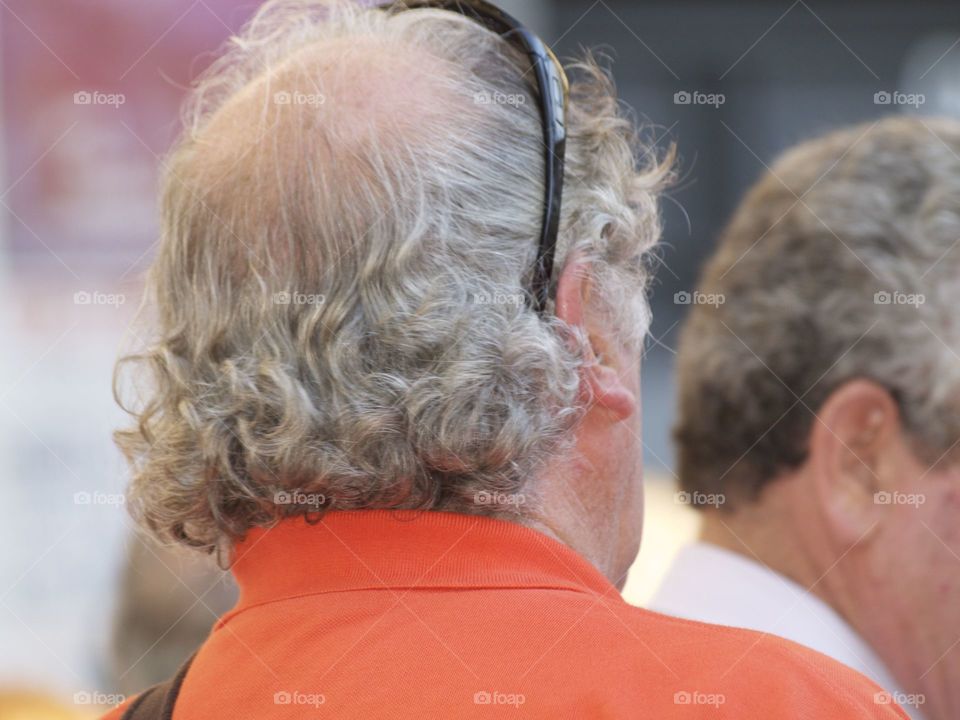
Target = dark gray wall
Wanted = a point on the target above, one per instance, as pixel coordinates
(788, 71)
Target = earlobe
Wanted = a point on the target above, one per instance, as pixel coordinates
(610, 391)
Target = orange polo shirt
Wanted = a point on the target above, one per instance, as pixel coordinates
(380, 614)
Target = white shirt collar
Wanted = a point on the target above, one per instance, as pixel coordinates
(711, 584)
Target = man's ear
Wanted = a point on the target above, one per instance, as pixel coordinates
(607, 362)
(854, 446)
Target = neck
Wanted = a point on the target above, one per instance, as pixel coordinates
(901, 645)
(570, 530)
(582, 520)
(757, 542)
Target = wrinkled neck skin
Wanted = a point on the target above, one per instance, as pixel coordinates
(861, 585)
(592, 499)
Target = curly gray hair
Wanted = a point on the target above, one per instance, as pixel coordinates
(840, 263)
(348, 225)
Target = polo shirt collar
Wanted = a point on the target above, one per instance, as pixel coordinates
(390, 549)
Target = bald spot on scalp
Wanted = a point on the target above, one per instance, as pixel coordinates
(256, 155)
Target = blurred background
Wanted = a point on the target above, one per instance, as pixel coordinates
(90, 93)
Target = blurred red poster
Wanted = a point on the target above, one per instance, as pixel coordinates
(90, 92)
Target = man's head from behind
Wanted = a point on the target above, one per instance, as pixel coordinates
(821, 395)
(349, 228)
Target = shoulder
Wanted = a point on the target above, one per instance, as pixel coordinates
(680, 662)
(757, 672)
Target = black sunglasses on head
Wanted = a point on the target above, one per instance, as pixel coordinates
(553, 90)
